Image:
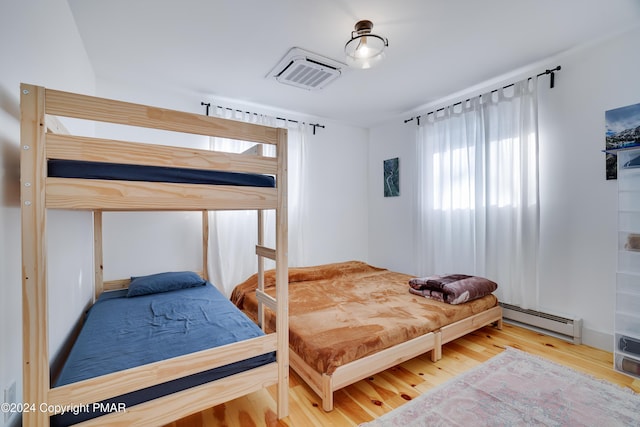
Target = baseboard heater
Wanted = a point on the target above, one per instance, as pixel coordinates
(563, 327)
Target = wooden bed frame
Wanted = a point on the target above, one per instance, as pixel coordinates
(44, 137)
(325, 384)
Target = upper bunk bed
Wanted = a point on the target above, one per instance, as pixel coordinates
(54, 166)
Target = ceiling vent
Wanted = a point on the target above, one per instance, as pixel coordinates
(306, 70)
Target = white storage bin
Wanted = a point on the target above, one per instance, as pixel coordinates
(627, 154)
(628, 303)
(628, 283)
(627, 324)
(628, 365)
(629, 261)
(628, 345)
(629, 201)
(629, 241)
(629, 179)
(629, 222)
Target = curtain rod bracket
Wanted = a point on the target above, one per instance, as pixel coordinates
(417, 119)
(206, 104)
(552, 76)
(316, 125)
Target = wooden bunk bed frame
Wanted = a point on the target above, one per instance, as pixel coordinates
(44, 137)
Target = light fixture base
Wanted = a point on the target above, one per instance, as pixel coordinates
(364, 49)
(364, 25)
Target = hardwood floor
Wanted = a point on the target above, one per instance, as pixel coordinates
(372, 397)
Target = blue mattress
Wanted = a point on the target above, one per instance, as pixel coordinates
(116, 171)
(121, 333)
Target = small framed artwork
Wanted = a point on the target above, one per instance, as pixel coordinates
(622, 131)
(391, 177)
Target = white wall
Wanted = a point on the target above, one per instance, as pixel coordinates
(336, 192)
(578, 206)
(32, 35)
(391, 219)
(579, 214)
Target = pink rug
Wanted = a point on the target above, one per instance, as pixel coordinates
(515, 388)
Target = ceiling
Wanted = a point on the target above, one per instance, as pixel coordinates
(226, 48)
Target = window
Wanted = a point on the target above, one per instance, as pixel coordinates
(477, 196)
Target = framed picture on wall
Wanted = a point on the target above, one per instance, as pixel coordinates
(391, 177)
(622, 131)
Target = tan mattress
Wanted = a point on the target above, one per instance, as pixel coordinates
(344, 311)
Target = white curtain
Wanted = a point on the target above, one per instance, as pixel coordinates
(477, 198)
(233, 234)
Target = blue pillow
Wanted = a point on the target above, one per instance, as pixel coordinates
(164, 282)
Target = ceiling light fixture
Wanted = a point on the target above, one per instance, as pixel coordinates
(364, 49)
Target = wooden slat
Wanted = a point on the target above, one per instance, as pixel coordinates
(118, 383)
(86, 107)
(327, 387)
(266, 252)
(464, 326)
(309, 375)
(282, 277)
(168, 408)
(135, 153)
(115, 285)
(261, 311)
(377, 362)
(98, 267)
(205, 245)
(35, 347)
(71, 193)
(266, 299)
(54, 125)
(436, 353)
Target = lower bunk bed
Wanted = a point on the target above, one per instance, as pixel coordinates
(158, 317)
(348, 321)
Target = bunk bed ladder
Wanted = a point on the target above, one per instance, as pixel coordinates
(278, 304)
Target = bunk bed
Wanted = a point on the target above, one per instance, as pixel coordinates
(63, 171)
(351, 320)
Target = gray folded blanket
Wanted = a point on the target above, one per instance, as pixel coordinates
(452, 288)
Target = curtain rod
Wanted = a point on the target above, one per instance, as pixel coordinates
(551, 86)
(207, 106)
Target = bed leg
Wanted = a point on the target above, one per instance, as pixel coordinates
(436, 352)
(498, 323)
(327, 393)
